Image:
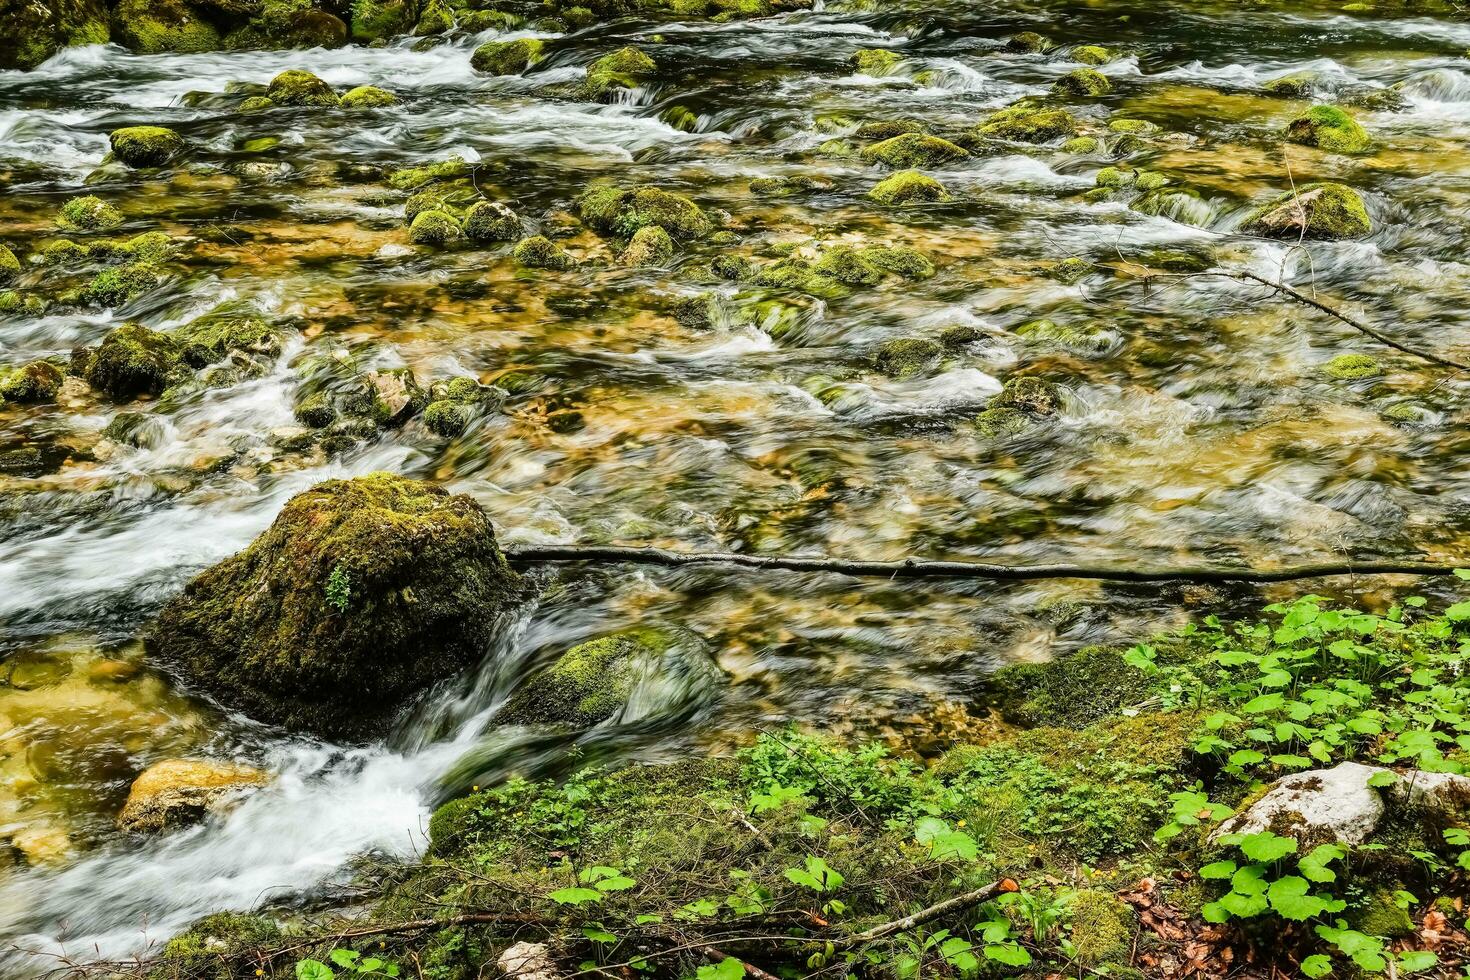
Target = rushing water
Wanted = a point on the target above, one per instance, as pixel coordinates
(1198, 423)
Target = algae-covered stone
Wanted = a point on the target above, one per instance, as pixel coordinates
(1329, 128)
(36, 31)
(360, 594)
(506, 57)
(9, 266)
(540, 252)
(876, 62)
(437, 17)
(1297, 85)
(995, 422)
(179, 792)
(301, 88)
(38, 381)
(132, 360)
(368, 97)
(455, 404)
(847, 266)
(911, 150)
(1082, 145)
(907, 356)
(1027, 123)
(120, 285)
(434, 227)
(612, 210)
(1029, 42)
(1325, 211)
(595, 681)
(378, 20)
(899, 260)
(146, 146)
(88, 214)
(787, 186)
(1034, 396)
(908, 187)
(624, 68)
(1092, 54)
(156, 26)
(412, 178)
(255, 103)
(491, 221)
(225, 329)
(649, 246)
(1353, 367)
(1083, 82)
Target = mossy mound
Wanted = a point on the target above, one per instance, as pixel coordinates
(1082, 82)
(215, 335)
(360, 594)
(368, 97)
(905, 357)
(910, 150)
(412, 178)
(146, 146)
(908, 187)
(540, 252)
(1322, 211)
(120, 285)
(624, 68)
(455, 403)
(1091, 54)
(648, 246)
(436, 17)
(1034, 396)
(301, 88)
(1297, 85)
(491, 221)
(507, 57)
(1353, 367)
(1028, 123)
(595, 681)
(1329, 128)
(1029, 42)
(9, 266)
(38, 381)
(157, 26)
(876, 62)
(898, 260)
(131, 361)
(615, 211)
(88, 214)
(36, 31)
(378, 20)
(434, 227)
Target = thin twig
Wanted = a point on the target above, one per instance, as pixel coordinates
(955, 904)
(751, 970)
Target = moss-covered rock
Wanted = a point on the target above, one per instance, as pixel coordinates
(615, 211)
(1034, 396)
(1029, 42)
(648, 246)
(179, 792)
(1328, 128)
(1082, 82)
(594, 681)
(1297, 85)
(131, 361)
(36, 31)
(9, 266)
(787, 186)
(293, 87)
(280, 25)
(1082, 145)
(1091, 54)
(905, 357)
(434, 227)
(146, 146)
(1353, 367)
(368, 97)
(216, 334)
(1323, 211)
(150, 246)
(876, 62)
(120, 285)
(899, 260)
(1028, 123)
(540, 252)
(996, 422)
(908, 187)
(157, 26)
(360, 594)
(436, 17)
(88, 214)
(1071, 692)
(507, 57)
(886, 129)
(491, 221)
(38, 381)
(412, 178)
(625, 68)
(911, 150)
(255, 103)
(378, 20)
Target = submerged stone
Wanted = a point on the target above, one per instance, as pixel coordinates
(179, 792)
(1325, 211)
(1035, 397)
(905, 357)
(908, 187)
(1328, 128)
(876, 62)
(146, 146)
(362, 593)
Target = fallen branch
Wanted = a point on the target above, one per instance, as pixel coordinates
(750, 970)
(934, 568)
(958, 903)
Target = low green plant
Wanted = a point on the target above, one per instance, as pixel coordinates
(349, 962)
(339, 589)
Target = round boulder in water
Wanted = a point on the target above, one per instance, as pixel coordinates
(362, 593)
(146, 146)
(178, 792)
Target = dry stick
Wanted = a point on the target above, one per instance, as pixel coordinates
(750, 969)
(933, 912)
(936, 568)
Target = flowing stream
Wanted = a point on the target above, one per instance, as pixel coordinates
(1198, 421)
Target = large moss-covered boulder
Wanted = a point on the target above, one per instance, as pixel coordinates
(1328, 128)
(131, 361)
(1083, 82)
(301, 88)
(910, 150)
(377, 20)
(1028, 123)
(156, 26)
(35, 31)
(362, 593)
(641, 671)
(38, 381)
(9, 266)
(1325, 210)
(506, 57)
(146, 146)
(615, 211)
(179, 792)
(908, 187)
(625, 68)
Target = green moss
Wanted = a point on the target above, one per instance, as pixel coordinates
(1102, 929)
(375, 20)
(1137, 127)
(799, 275)
(1029, 42)
(1115, 177)
(1034, 396)
(437, 17)
(909, 263)
(434, 227)
(507, 57)
(1074, 691)
(540, 252)
(1083, 82)
(301, 88)
(157, 26)
(876, 62)
(214, 335)
(649, 246)
(146, 146)
(412, 178)
(315, 410)
(905, 357)
(1320, 210)
(1297, 85)
(88, 214)
(201, 949)
(38, 381)
(1028, 123)
(131, 361)
(120, 285)
(1071, 270)
(63, 251)
(1352, 367)
(1092, 54)
(1380, 915)
(447, 417)
(9, 266)
(847, 266)
(490, 221)
(886, 129)
(428, 588)
(368, 97)
(1082, 145)
(255, 103)
(624, 68)
(150, 246)
(908, 187)
(1329, 128)
(787, 186)
(612, 210)
(911, 150)
(286, 24)
(994, 422)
